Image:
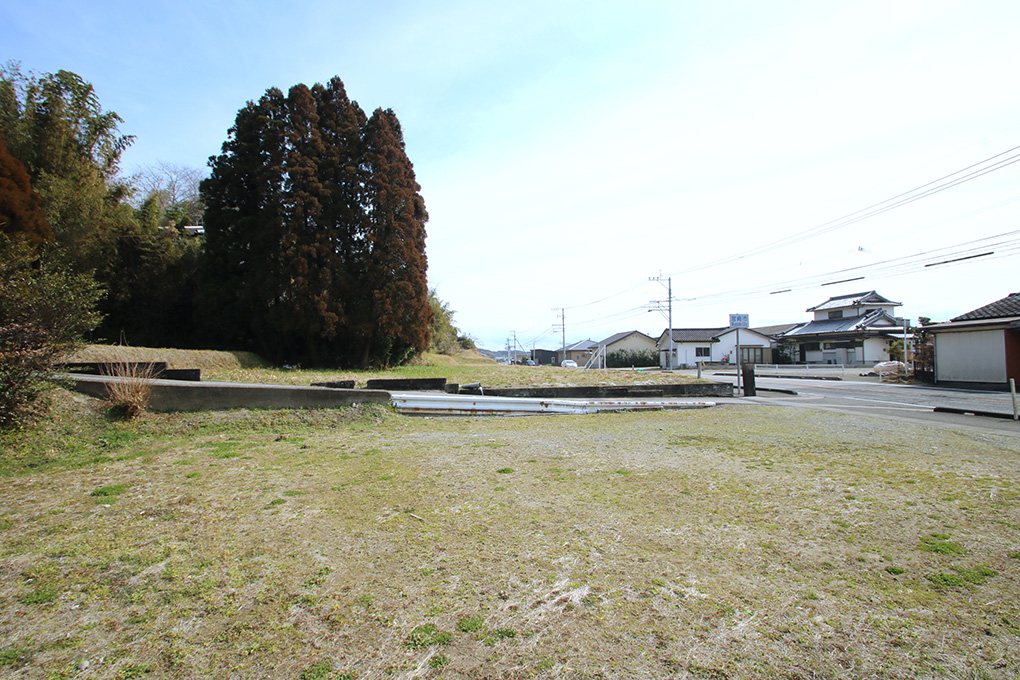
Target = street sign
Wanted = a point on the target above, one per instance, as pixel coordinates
(740, 320)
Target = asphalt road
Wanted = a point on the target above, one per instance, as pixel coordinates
(868, 396)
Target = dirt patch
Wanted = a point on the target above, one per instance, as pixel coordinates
(725, 543)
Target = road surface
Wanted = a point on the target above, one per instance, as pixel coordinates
(890, 400)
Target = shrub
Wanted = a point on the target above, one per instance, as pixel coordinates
(44, 312)
(626, 358)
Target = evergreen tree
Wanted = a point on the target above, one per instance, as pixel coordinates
(400, 316)
(315, 233)
(244, 267)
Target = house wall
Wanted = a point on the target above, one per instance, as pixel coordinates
(875, 350)
(725, 349)
(850, 312)
(1013, 356)
(970, 356)
(684, 354)
(632, 343)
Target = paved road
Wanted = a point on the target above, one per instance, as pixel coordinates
(883, 399)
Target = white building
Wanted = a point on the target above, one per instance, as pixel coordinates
(692, 346)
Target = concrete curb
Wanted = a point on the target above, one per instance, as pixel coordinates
(967, 411)
(172, 395)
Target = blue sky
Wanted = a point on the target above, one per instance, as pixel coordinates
(568, 151)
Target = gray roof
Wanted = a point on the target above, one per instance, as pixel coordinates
(850, 323)
(777, 330)
(852, 300)
(582, 346)
(697, 334)
(1007, 306)
(616, 337)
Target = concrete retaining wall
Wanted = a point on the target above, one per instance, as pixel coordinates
(170, 395)
(610, 391)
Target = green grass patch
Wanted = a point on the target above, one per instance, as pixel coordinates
(427, 635)
(937, 543)
(110, 490)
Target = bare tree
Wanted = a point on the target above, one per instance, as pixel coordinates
(174, 187)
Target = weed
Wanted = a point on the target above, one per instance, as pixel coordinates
(320, 670)
(946, 580)
(319, 578)
(895, 571)
(41, 595)
(438, 661)
(505, 471)
(427, 635)
(978, 575)
(131, 671)
(13, 656)
(470, 624)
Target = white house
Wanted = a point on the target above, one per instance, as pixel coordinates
(692, 346)
(980, 348)
(628, 341)
(847, 329)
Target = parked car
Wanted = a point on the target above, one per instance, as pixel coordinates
(568, 363)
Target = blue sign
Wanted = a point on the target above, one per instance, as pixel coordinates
(740, 320)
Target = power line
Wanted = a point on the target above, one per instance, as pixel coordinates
(904, 198)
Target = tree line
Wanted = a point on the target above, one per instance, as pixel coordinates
(314, 246)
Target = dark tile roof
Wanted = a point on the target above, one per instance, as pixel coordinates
(851, 323)
(1007, 306)
(853, 300)
(697, 334)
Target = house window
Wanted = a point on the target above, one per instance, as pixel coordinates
(752, 355)
(702, 351)
(811, 346)
(838, 314)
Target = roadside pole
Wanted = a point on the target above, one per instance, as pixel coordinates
(738, 361)
(1012, 391)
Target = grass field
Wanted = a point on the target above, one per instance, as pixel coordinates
(734, 542)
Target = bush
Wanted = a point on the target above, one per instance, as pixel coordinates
(44, 311)
(626, 358)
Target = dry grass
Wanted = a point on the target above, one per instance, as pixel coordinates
(128, 394)
(739, 542)
(175, 358)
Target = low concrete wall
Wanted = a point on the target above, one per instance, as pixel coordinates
(610, 391)
(170, 395)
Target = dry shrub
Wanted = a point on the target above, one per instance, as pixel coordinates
(129, 391)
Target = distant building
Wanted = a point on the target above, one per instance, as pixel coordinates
(693, 346)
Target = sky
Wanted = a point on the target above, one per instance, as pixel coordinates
(580, 158)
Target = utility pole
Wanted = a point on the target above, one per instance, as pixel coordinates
(563, 329)
(669, 318)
